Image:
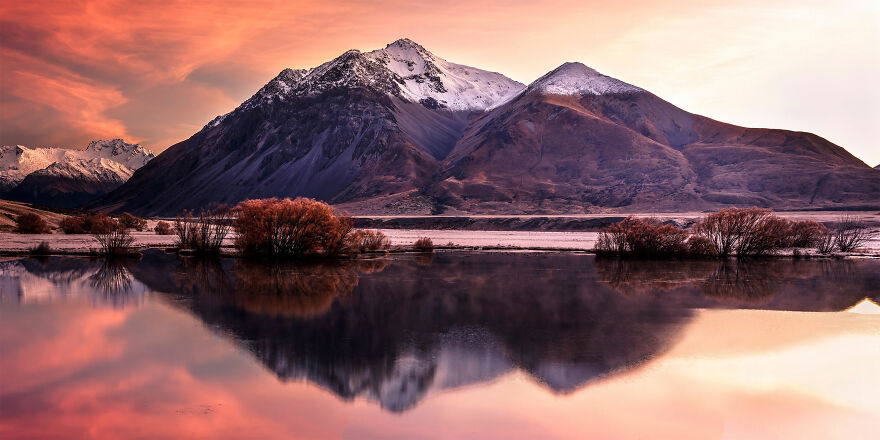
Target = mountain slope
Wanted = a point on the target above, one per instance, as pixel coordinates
(576, 139)
(352, 128)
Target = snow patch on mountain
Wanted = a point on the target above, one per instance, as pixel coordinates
(578, 79)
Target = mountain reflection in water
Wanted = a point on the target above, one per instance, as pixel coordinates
(396, 329)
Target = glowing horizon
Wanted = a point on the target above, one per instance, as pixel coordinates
(155, 72)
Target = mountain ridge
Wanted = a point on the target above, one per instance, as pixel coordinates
(402, 129)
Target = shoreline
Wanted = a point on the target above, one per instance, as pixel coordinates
(569, 222)
(228, 252)
(536, 233)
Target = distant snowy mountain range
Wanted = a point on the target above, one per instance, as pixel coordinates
(67, 177)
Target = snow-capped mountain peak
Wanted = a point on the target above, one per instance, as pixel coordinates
(578, 79)
(427, 78)
(403, 69)
(133, 156)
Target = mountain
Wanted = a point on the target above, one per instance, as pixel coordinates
(360, 126)
(66, 177)
(576, 138)
(400, 130)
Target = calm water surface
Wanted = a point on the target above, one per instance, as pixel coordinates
(454, 345)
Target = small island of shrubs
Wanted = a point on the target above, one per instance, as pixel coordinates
(742, 232)
(277, 228)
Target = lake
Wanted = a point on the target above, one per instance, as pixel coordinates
(487, 345)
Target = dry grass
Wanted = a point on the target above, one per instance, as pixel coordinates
(10, 210)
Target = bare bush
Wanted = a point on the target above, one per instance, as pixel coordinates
(745, 231)
(611, 240)
(825, 242)
(369, 240)
(204, 232)
(423, 244)
(163, 228)
(89, 223)
(41, 249)
(116, 242)
(129, 221)
(850, 233)
(184, 228)
(767, 235)
(291, 228)
(30, 223)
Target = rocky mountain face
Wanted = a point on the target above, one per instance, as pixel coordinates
(66, 177)
(401, 130)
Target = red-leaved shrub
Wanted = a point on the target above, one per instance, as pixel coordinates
(642, 237)
(699, 246)
(163, 228)
(129, 221)
(90, 223)
(291, 228)
(423, 244)
(805, 233)
(338, 238)
(30, 223)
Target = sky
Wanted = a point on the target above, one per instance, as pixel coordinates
(155, 71)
